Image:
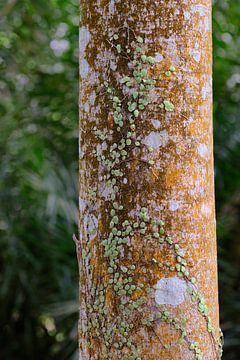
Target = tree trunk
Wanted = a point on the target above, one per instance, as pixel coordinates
(147, 248)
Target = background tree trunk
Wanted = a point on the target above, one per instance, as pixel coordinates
(147, 249)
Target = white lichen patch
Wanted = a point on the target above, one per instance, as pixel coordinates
(84, 68)
(156, 123)
(86, 107)
(170, 291)
(200, 9)
(101, 147)
(187, 15)
(206, 90)
(156, 139)
(206, 210)
(90, 101)
(206, 24)
(188, 121)
(197, 56)
(84, 38)
(92, 97)
(90, 225)
(106, 193)
(82, 204)
(158, 57)
(111, 7)
(202, 150)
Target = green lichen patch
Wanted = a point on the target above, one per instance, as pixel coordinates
(167, 105)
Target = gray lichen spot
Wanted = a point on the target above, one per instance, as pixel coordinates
(156, 139)
(170, 291)
(84, 38)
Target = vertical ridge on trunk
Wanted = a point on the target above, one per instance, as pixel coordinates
(147, 247)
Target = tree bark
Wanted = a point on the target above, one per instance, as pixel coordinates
(147, 247)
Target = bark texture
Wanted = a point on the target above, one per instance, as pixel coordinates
(147, 247)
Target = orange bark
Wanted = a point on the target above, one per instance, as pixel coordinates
(167, 175)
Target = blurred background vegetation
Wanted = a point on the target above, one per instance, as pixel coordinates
(38, 176)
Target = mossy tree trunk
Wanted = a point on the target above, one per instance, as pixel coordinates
(147, 249)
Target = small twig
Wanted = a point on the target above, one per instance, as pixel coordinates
(78, 248)
(126, 55)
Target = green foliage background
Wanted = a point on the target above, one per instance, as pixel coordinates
(38, 176)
